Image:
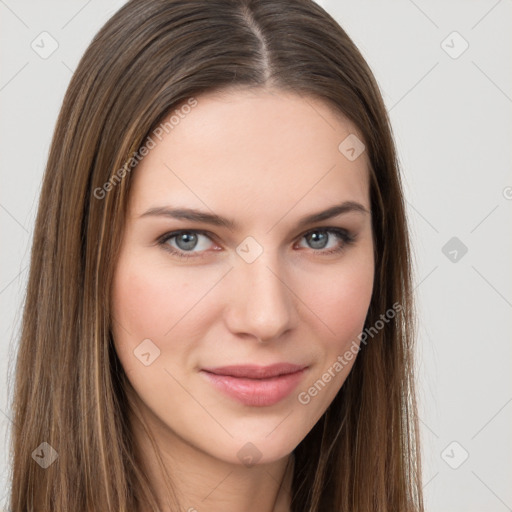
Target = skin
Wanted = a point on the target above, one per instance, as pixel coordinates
(264, 158)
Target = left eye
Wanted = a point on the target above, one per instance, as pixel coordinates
(186, 241)
(320, 237)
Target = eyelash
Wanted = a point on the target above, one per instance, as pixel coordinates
(346, 237)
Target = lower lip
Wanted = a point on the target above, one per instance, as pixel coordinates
(256, 392)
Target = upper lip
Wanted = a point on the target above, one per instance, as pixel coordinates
(252, 371)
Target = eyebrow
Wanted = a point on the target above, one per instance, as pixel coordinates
(194, 215)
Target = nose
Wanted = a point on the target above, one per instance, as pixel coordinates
(261, 301)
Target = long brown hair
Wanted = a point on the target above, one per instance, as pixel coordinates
(70, 388)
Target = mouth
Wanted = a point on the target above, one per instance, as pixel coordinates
(256, 386)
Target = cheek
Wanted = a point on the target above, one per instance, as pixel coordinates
(161, 304)
(350, 302)
(145, 303)
(341, 300)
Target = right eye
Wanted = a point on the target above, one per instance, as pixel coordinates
(184, 241)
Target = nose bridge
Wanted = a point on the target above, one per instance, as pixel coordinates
(262, 304)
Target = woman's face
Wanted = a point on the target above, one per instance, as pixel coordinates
(195, 293)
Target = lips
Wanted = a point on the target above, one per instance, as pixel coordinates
(256, 386)
(256, 372)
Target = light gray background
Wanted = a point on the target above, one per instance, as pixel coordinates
(452, 123)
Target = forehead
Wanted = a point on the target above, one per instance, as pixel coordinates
(251, 148)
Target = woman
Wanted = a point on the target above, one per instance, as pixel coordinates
(219, 311)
